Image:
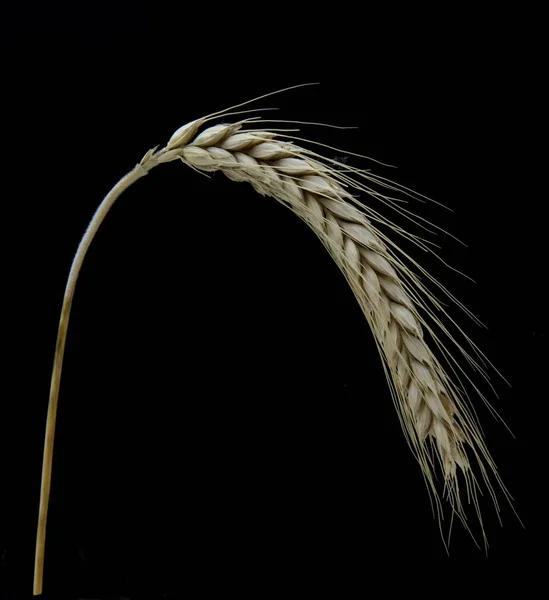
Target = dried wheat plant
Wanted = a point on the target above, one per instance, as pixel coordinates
(440, 427)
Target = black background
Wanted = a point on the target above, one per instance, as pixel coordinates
(224, 422)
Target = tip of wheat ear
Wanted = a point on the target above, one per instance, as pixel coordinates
(439, 426)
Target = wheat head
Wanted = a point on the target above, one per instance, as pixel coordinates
(430, 405)
(440, 428)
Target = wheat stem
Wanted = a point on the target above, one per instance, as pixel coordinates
(136, 173)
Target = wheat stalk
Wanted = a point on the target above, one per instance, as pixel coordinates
(438, 425)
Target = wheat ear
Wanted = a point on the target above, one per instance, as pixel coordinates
(438, 425)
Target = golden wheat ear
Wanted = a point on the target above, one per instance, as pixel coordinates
(440, 428)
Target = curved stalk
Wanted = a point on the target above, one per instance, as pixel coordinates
(136, 173)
